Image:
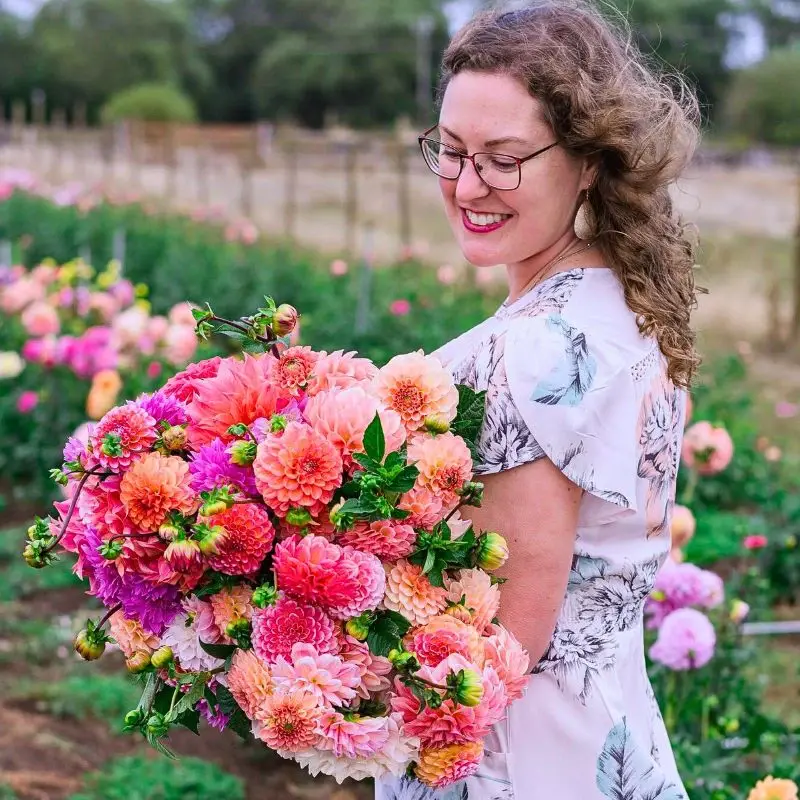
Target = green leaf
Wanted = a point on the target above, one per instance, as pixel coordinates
(225, 700)
(386, 632)
(190, 719)
(394, 460)
(469, 416)
(405, 481)
(374, 440)
(430, 560)
(221, 651)
(436, 578)
(238, 723)
(365, 461)
(149, 691)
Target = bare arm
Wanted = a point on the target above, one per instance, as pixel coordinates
(536, 508)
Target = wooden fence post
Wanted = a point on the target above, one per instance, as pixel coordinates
(290, 190)
(351, 196)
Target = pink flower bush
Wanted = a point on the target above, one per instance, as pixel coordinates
(686, 640)
(755, 542)
(681, 586)
(40, 319)
(707, 449)
(27, 401)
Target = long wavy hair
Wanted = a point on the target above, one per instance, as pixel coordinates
(637, 124)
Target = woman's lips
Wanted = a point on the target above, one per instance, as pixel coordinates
(480, 222)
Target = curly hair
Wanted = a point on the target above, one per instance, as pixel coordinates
(637, 124)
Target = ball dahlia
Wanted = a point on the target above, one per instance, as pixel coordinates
(480, 596)
(339, 370)
(444, 463)
(299, 468)
(438, 767)
(121, 436)
(443, 636)
(184, 385)
(411, 594)
(153, 487)
(249, 681)
(248, 538)
(386, 539)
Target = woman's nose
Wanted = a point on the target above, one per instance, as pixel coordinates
(469, 185)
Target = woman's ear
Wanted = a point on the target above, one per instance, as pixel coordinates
(589, 174)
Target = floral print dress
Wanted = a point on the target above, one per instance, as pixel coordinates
(569, 377)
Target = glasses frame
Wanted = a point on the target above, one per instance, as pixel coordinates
(464, 157)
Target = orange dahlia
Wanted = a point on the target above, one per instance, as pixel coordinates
(439, 767)
(294, 368)
(411, 594)
(481, 597)
(770, 788)
(338, 370)
(442, 636)
(154, 486)
(130, 636)
(249, 681)
(248, 538)
(417, 386)
(231, 605)
(444, 463)
(299, 468)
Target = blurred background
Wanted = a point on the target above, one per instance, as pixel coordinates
(223, 149)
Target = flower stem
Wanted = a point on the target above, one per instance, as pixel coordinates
(70, 511)
(110, 613)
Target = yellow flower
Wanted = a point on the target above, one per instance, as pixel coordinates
(144, 305)
(141, 290)
(773, 789)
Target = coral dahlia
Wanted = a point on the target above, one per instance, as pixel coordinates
(248, 538)
(299, 468)
(289, 721)
(325, 675)
(231, 605)
(361, 737)
(424, 506)
(386, 539)
(438, 767)
(410, 593)
(509, 659)
(372, 669)
(770, 788)
(339, 370)
(444, 463)
(154, 486)
(442, 636)
(294, 368)
(185, 384)
(481, 597)
(249, 681)
(130, 636)
(122, 435)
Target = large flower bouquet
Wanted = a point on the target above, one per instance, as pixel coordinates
(277, 542)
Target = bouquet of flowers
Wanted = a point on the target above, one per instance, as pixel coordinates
(277, 541)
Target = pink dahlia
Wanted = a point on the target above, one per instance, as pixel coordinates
(417, 386)
(299, 468)
(680, 585)
(480, 596)
(443, 636)
(707, 449)
(444, 463)
(373, 670)
(364, 573)
(289, 721)
(231, 605)
(249, 681)
(277, 629)
(686, 640)
(360, 737)
(248, 538)
(122, 435)
(343, 415)
(424, 507)
(154, 486)
(184, 385)
(439, 767)
(130, 636)
(240, 392)
(295, 367)
(339, 370)
(509, 659)
(411, 594)
(324, 675)
(386, 539)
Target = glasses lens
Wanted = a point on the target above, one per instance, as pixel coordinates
(501, 172)
(443, 160)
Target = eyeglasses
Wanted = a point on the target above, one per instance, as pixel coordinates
(495, 170)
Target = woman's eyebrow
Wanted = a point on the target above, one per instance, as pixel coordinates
(491, 142)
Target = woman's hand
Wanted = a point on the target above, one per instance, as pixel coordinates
(536, 508)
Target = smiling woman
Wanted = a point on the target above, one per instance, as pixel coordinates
(555, 150)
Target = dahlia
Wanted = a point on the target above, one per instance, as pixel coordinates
(424, 507)
(277, 629)
(153, 487)
(211, 468)
(372, 669)
(105, 582)
(438, 767)
(289, 721)
(154, 605)
(417, 386)
(680, 585)
(130, 636)
(442, 636)
(343, 415)
(686, 640)
(339, 370)
(299, 468)
(392, 760)
(361, 737)
(295, 367)
(481, 597)
(509, 659)
(770, 788)
(75, 448)
(201, 613)
(410, 593)
(183, 637)
(319, 527)
(365, 574)
(231, 605)
(75, 530)
(240, 392)
(444, 463)
(248, 538)
(707, 449)
(386, 539)
(185, 384)
(163, 407)
(249, 681)
(121, 436)
(217, 718)
(326, 676)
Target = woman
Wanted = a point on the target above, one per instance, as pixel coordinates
(555, 150)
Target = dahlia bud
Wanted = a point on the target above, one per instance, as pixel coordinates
(358, 627)
(138, 661)
(278, 423)
(243, 452)
(213, 507)
(403, 661)
(492, 551)
(112, 549)
(238, 430)
(436, 423)
(460, 612)
(40, 530)
(133, 719)
(739, 611)
(210, 538)
(162, 657)
(299, 517)
(468, 688)
(264, 596)
(284, 320)
(169, 531)
(36, 556)
(183, 555)
(239, 630)
(174, 438)
(157, 725)
(90, 644)
(471, 493)
(59, 476)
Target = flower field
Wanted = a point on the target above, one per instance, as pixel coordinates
(95, 312)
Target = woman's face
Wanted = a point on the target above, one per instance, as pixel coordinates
(486, 112)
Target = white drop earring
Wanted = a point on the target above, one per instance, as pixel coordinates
(582, 225)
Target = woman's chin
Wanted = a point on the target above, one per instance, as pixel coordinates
(479, 255)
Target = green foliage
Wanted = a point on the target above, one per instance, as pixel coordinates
(137, 778)
(763, 104)
(7, 793)
(151, 102)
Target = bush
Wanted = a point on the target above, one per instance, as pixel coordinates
(150, 102)
(763, 103)
(136, 778)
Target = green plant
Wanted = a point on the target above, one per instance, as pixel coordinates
(137, 778)
(149, 102)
